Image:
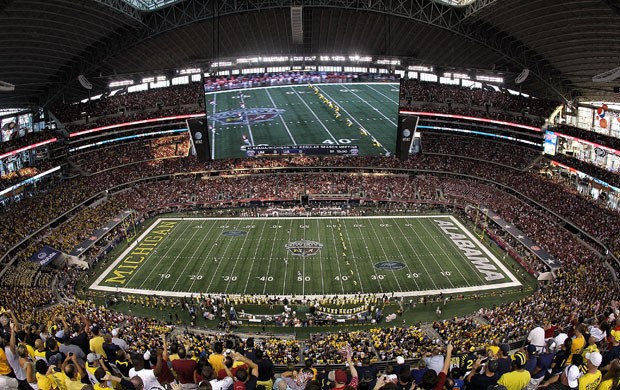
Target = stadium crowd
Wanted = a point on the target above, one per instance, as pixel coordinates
(429, 92)
(601, 173)
(592, 136)
(67, 345)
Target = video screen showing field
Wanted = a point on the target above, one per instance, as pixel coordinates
(360, 114)
(406, 255)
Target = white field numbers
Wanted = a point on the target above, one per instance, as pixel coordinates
(344, 141)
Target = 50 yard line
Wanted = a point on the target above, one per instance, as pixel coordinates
(290, 229)
(245, 116)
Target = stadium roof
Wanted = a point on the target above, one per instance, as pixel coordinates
(149, 5)
(46, 44)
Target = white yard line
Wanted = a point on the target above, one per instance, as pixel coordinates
(421, 261)
(336, 249)
(180, 294)
(450, 258)
(371, 106)
(439, 265)
(232, 271)
(352, 118)
(290, 229)
(514, 282)
(193, 258)
(214, 127)
(380, 241)
(273, 243)
(281, 118)
(205, 261)
(247, 122)
(404, 238)
(385, 96)
(315, 116)
(303, 265)
(217, 267)
(188, 241)
(357, 271)
(149, 258)
(250, 275)
(372, 266)
(318, 228)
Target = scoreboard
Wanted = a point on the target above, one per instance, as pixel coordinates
(306, 150)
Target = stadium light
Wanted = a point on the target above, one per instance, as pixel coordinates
(120, 83)
(419, 68)
(491, 79)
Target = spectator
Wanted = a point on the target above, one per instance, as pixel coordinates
(612, 376)
(519, 377)
(185, 367)
(148, 376)
(434, 360)
(482, 379)
(265, 370)
(592, 378)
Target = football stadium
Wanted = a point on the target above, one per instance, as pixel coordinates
(281, 195)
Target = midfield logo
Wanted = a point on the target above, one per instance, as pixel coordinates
(304, 248)
(249, 116)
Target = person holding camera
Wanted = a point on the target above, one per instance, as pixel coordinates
(482, 375)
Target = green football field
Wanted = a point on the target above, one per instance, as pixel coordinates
(296, 115)
(314, 256)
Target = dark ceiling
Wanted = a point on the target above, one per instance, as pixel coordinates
(46, 44)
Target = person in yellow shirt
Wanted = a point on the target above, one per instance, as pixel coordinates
(612, 377)
(592, 347)
(5, 369)
(592, 379)
(39, 349)
(578, 343)
(493, 348)
(45, 379)
(96, 342)
(74, 374)
(519, 377)
(57, 376)
(216, 359)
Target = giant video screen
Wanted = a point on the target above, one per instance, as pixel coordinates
(301, 114)
(17, 126)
